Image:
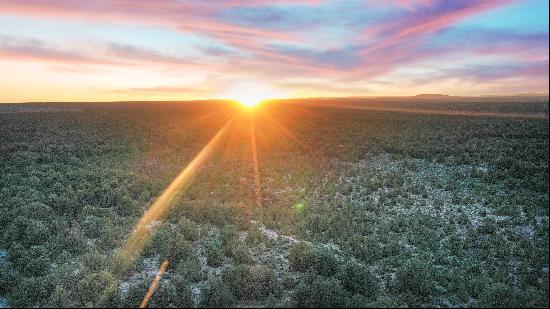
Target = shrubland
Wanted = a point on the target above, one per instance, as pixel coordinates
(358, 208)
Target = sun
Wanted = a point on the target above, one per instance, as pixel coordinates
(251, 94)
(250, 102)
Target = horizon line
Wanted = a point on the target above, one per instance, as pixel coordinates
(433, 96)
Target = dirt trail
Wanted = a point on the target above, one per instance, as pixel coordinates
(274, 235)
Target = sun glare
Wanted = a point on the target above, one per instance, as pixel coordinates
(250, 102)
(251, 94)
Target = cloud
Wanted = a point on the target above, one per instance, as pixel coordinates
(136, 53)
(32, 49)
(486, 73)
(251, 26)
(183, 90)
(110, 54)
(345, 45)
(430, 17)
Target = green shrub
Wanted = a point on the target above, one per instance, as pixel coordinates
(228, 237)
(255, 236)
(94, 261)
(96, 289)
(302, 257)
(242, 255)
(171, 246)
(30, 292)
(264, 282)
(36, 233)
(92, 226)
(326, 263)
(239, 281)
(189, 229)
(318, 292)
(359, 301)
(357, 279)
(8, 276)
(61, 298)
(190, 269)
(175, 292)
(216, 294)
(214, 255)
(497, 295)
(35, 261)
(415, 281)
(137, 292)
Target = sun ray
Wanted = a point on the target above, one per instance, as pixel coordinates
(144, 228)
(154, 285)
(256, 167)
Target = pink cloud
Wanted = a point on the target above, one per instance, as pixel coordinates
(16, 49)
(181, 16)
(268, 51)
(425, 21)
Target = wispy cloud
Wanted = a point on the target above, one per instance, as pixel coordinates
(343, 45)
(31, 49)
(181, 90)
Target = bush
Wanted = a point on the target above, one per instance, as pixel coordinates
(110, 237)
(8, 276)
(171, 246)
(122, 262)
(214, 255)
(92, 226)
(228, 236)
(359, 301)
(415, 281)
(94, 261)
(302, 257)
(319, 292)
(264, 282)
(216, 294)
(241, 254)
(189, 229)
(71, 240)
(357, 279)
(61, 298)
(326, 263)
(96, 289)
(190, 269)
(35, 261)
(137, 292)
(172, 293)
(255, 236)
(239, 281)
(30, 292)
(498, 295)
(36, 233)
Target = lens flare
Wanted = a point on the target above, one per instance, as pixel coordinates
(145, 227)
(154, 285)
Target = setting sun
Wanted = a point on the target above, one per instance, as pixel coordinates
(249, 102)
(251, 94)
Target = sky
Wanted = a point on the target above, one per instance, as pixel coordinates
(98, 50)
